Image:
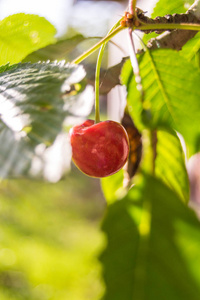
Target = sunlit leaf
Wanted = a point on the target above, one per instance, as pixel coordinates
(35, 100)
(191, 49)
(113, 187)
(164, 7)
(22, 34)
(169, 162)
(171, 94)
(153, 246)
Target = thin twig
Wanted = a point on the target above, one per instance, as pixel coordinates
(97, 45)
(135, 64)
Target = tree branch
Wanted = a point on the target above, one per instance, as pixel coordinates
(169, 39)
(177, 38)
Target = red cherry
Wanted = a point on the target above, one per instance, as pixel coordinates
(100, 149)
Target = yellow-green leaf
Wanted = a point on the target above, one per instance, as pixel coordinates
(21, 34)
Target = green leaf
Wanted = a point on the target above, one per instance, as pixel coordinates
(171, 94)
(163, 155)
(191, 50)
(170, 164)
(167, 7)
(153, 246)
(164, 7)
(22, 34)
(35, 100)
(113, 188)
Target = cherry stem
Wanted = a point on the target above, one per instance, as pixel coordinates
(153, 27)
(97, 45)
(97, 74)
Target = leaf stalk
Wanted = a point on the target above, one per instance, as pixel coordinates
(97, 45)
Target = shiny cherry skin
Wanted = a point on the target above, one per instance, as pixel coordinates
(99, 149)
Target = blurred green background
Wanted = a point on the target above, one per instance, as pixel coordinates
(50, 236)
(50, 239)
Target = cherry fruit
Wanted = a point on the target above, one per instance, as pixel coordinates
(99, 149)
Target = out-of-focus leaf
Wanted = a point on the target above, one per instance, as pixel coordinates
(153, 246)
(171, 94)
(113, 188)
(15, 155)
(22, 34)
(35, 100)
(63, 49)
(59, 50)
(42, 230)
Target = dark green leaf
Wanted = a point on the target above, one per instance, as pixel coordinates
(153, 246)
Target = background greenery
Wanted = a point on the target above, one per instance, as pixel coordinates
(50, 239)
(49, 232)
